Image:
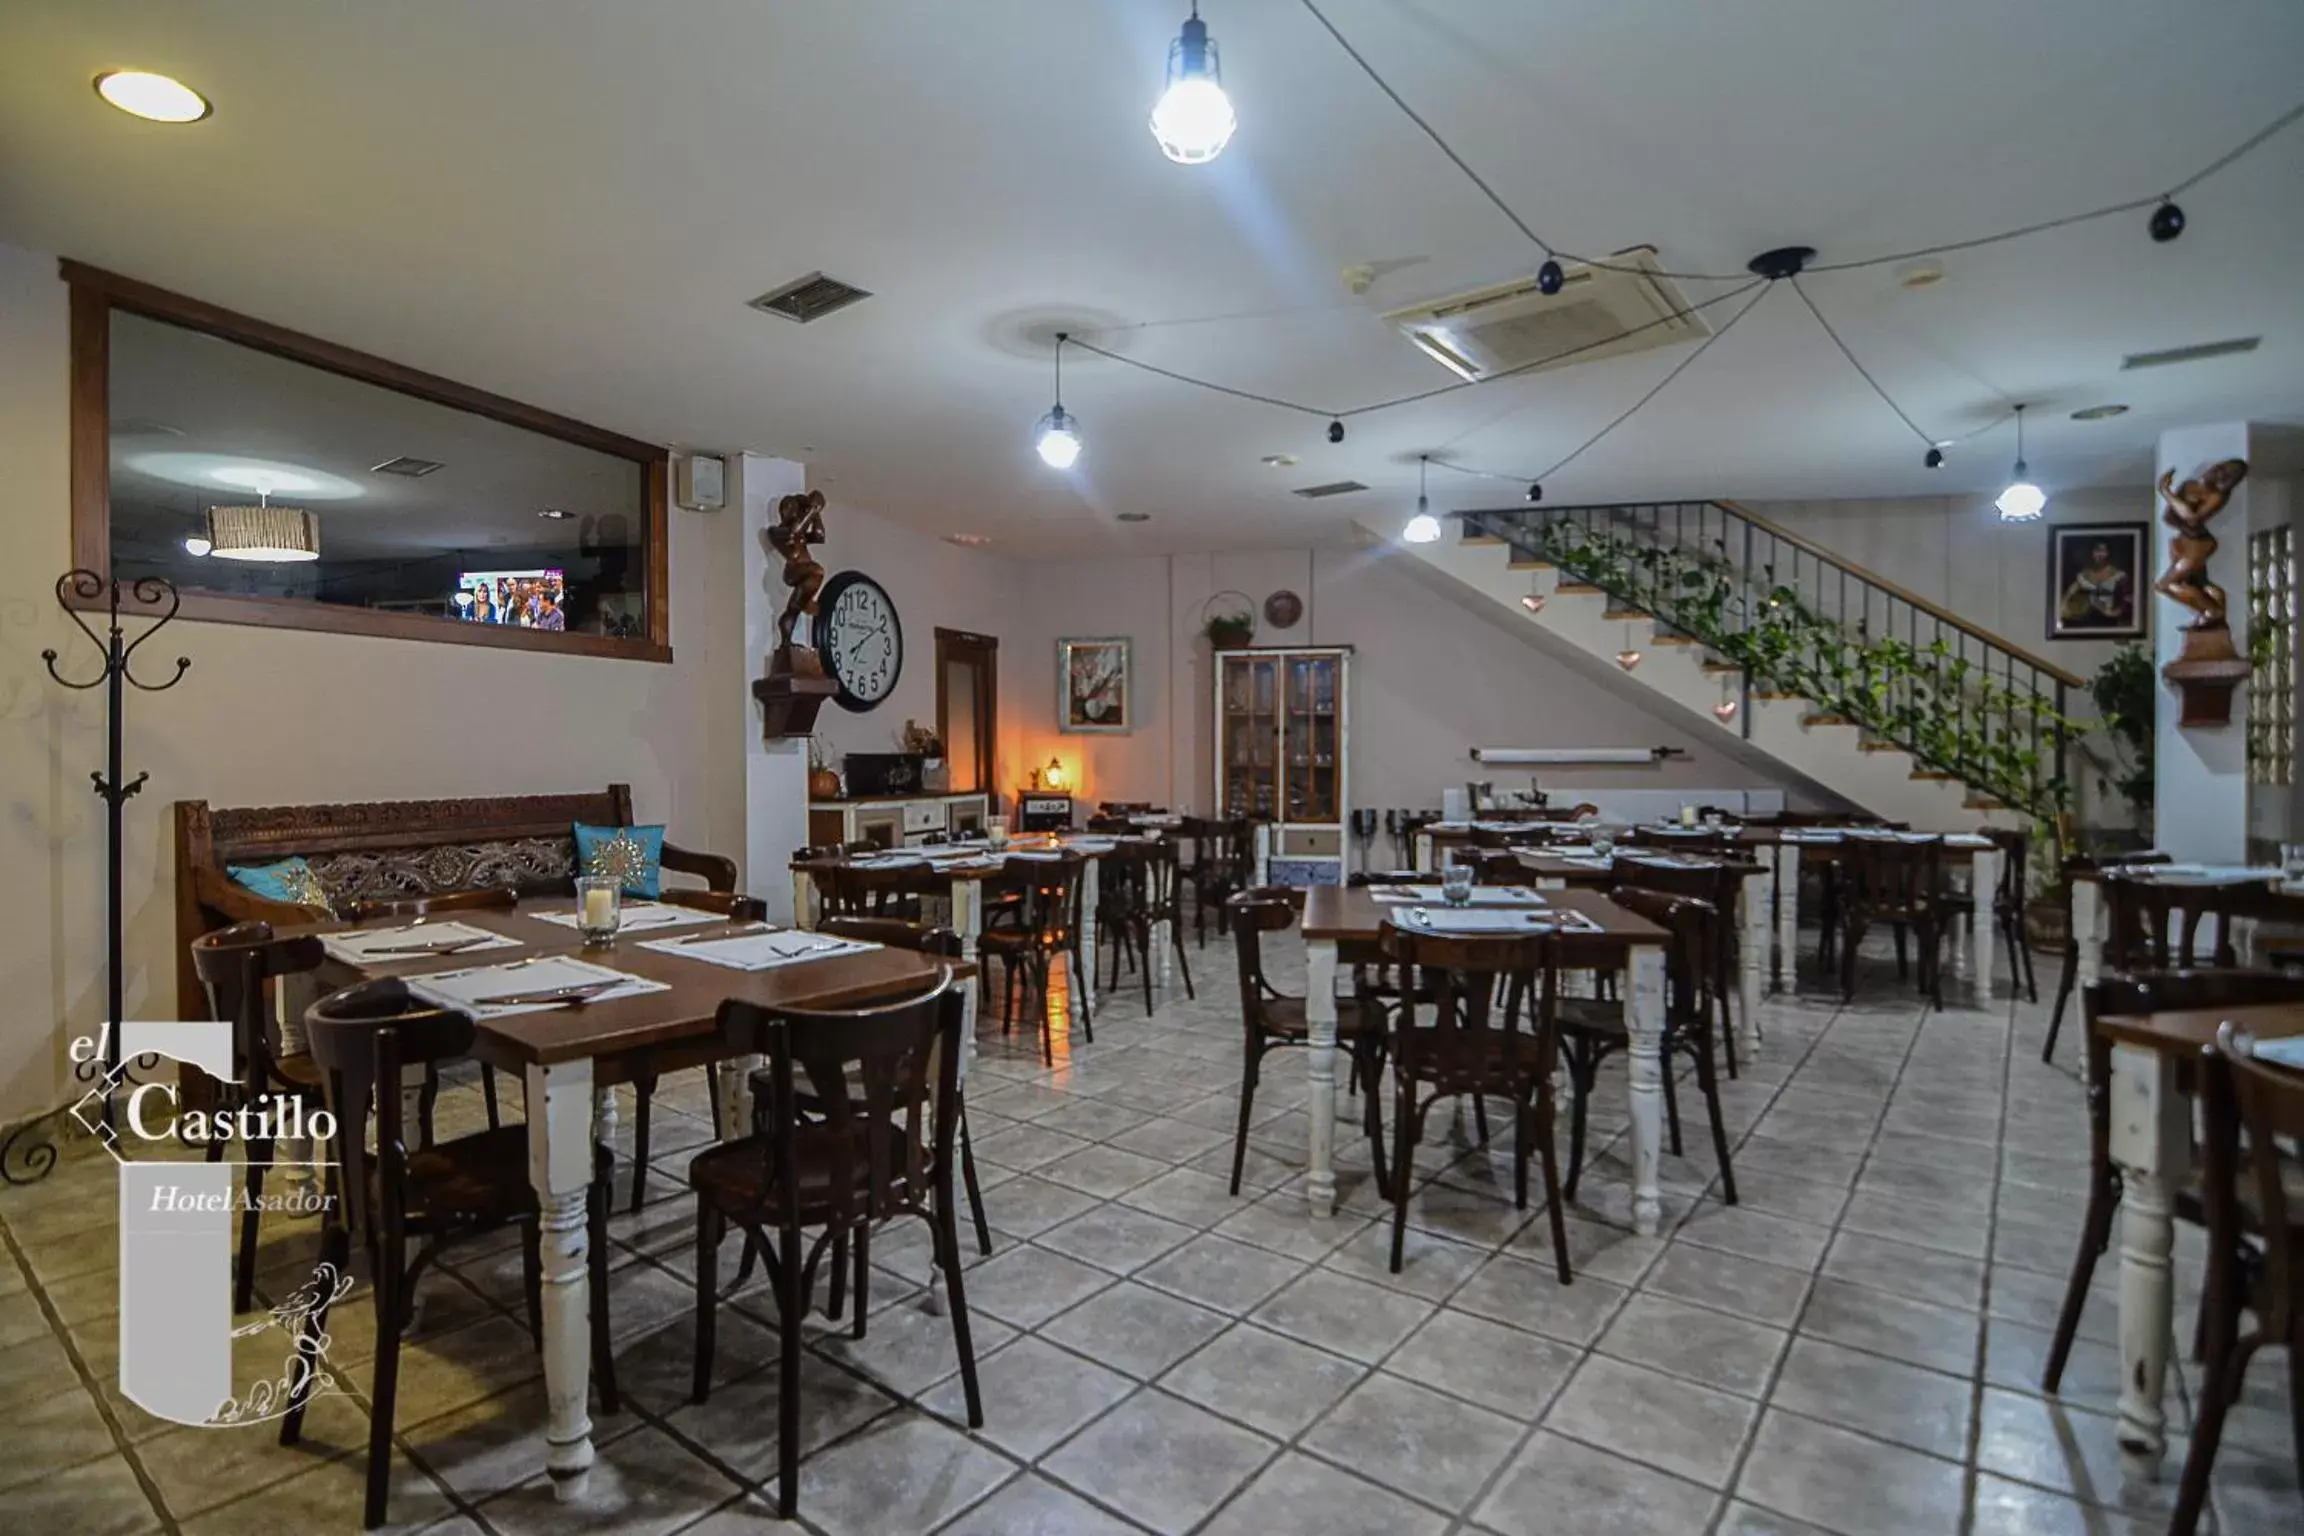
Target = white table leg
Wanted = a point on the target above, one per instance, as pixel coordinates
(1263, 847)
(1423, 859)
(560, 1113)
(293, 1158)
(803, 899)
(1320, 1024)
(1984, 895)
(1753, 894)
(1084, 984)
(2151, 1141)
(1788, 917)
(604, 1116)
(1644, 1018)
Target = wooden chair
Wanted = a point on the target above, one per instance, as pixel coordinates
(2155, 925)
(1720, 885)
(737, 909)
(1223, 862)
(2076, 865)
(233, 964)
(1139, 887)
(435, 1198)
(1696, 993)
(443, 904)
(1047, 925)
(2253, 1189)
(2143, 992)
(876, 1144)
(1897, 881)
(1271, 1019)
(1471, 1041)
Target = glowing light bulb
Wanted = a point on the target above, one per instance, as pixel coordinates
(155, 98)
(1193, 118)
(1423, 528)
(197, 545)
(2022, 502)
(1059, 439)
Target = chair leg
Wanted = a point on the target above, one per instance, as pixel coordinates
(1480, 1116)
(532, 1278)
(788, 1373)
(1552, 1200)
(336, 1260)
(597, 1200)
(1520, 1149)
(384, 1392)
(975, 1190)
(1249, 1072)
(1368, 1063)
(243, 1288)
(643, 1093)
(839, 1298)
(709, 1225)
(2095, 1234)
(1403, 1159)
(863, 1273)
(1708, 1080)
(1183, 964)
(2065, 981)
(1671, 1098)
(2218, 1388)
(1581, 1072)
(488, 1092)
(956, 1295)
(1146, 949)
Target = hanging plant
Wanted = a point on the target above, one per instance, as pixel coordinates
(1228, 619)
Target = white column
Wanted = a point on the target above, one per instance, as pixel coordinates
(2151, 1141)
(1423, 859)
(775, 772)
(1084, 986)
(1644, 1018)
(1320, 1026)
(2200, 801)
(1753, 895)
(560, 1111)
(1788, 917)
(803, 899)
(1984, 892)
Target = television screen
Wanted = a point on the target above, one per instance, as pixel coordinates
(532, 599)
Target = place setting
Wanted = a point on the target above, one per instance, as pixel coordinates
(535, 985)
(417, 940)
(758, 947)
(640, 916)
(1477, 896)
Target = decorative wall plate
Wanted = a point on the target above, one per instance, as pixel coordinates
(1282, 609)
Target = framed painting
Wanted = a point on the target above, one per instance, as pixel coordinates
(1093, 686)
(2096, 581)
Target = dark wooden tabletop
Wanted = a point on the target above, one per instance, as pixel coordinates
(1350, 915)
(2189, 1031)
(988, 861)
(621, 1026)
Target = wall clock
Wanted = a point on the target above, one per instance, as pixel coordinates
(860, 639)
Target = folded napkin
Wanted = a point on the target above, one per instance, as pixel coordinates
(463, 990)
(410, 941)
(1482, 895)
(1582, 860)
(2203, 874)
(1490, 920)
(641, 916)
(2282, 1053)
(762, 950)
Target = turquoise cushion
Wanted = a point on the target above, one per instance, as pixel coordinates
(634, 855)
(290, 880)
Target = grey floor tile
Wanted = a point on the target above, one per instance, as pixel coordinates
(1430, 1265)
(1912, 1331)
(1161, 1461)
(1742, 1519)
(1187, 1195)
(2004, 1508)
(1297, 1493)
(1524, 1295)
(1847, 1482)
(1904, 1269)
(95, 1498)
(644, 1484)
(1439, 1449)
(1279, 1222)
(1690, 1431)
(1217, 1272)
(1873, 1395)
(2072, 1451)
(905, 1472)
(1694, 1343)
(738, 1422)
(1028, 1284)
(1135, 1329)
(1506, 1369)
(1027, 1206)
(1767, 1293)
(1116, 1237)
(1033, 1506)
(1261, 1379)
(1034, 1395)
(1554, 1482)
(1755, 1234)
(1336, 1312)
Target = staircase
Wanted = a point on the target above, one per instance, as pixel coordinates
(1883, 697)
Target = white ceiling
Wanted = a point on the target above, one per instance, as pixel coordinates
(569, 201)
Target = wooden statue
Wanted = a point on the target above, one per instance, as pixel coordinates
(2207, 668)
(796, 687)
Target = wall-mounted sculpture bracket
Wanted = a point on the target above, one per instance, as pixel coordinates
(2207, 667)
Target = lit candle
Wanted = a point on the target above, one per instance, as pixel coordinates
(599, 907)
(1687, 815)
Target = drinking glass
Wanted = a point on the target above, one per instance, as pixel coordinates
(997, 834)
(2292, 863)
(599, 908)
(1456, 884)
(1603, 839)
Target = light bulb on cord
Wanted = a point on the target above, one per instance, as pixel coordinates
(1423, 528)
(2022, 502)
(1193, 119)
(1057, 434)
(1627, 658)
(197, 545)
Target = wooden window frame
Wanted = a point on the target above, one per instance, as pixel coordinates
(95, 294)
(988, 704)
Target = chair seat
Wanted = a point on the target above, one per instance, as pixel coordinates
(299, 1071)
(1594, 1018)
(1283, 1017)
(2192, 1206)
(1490, 1073)
(1011, 941)
(734, 1176)
(481, 1177)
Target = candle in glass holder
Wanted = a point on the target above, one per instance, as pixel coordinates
(599, 903)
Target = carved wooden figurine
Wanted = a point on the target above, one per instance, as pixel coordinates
(796, 687)
(2207, 668)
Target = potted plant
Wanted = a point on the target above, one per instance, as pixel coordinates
(1230, 631)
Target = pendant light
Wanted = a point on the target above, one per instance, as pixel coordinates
(1423, 528)
(1193, 119)
(1628, 658)
(1725, 710)
(2022, 502)
(1057, 434)
(263, 534)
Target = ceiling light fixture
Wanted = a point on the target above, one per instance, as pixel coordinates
(1193, 118)
(197, 545)
(2099, 412)
(1336, 431)
(2022, 502)
(263, 534)
(968, 540)
(1058, 432)
(1280, 461)
(155, 98)
(1423, 528)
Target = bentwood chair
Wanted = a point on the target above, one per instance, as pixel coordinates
(1140, 887)
(1271, 1019)
(872, 1142)
(1696, 993)
(1897, 881)
(1491, 1029)
(2141, 992)
(439, 904)
(428, 1199)
(2076, 866)
(2254, 1194)
(1047, 925)
(1720, 885)
(1223, 861)
(234, 964)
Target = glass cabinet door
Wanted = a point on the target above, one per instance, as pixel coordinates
(1251, 738)
(1312, 740)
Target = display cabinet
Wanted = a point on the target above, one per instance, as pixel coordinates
(1283, 734)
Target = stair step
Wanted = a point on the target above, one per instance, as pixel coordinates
(1876, 745)
(1770, 693)
(1674, 640)
(1472, 535)
(1626, 616)
(1523, 562)
(1576, 589)
(1723, 669)
(1935, 775)
(1808, 720)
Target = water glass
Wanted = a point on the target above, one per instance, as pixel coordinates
(1603, 839)
(1456, 884)
(2292, 863)
(997, 835)
(599, 908)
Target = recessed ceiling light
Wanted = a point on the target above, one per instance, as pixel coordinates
(1281, 461)
(1133, 517)
(1919, 274)
(556, 513)
(968, 540)
(2099, 412)
(155, 98)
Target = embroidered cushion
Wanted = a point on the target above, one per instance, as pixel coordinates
(632, 856)
(290, 880)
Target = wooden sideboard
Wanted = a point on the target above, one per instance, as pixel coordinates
(898, 821)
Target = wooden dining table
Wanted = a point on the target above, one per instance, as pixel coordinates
(1342, 925)
(2152, 1145)
(1972, 960)
(569, 1058)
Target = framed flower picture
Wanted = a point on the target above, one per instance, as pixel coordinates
(2096, 581)
(1093, 686)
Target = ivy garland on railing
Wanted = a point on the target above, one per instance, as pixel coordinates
(1950, 714)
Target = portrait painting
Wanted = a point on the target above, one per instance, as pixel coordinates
(2096, 581)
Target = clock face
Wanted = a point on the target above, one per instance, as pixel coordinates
(860, 639)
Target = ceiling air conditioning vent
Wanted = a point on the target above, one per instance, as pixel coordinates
(809, 298)
(407, 467)
(2193, 354)
(1515, 327)
(1332, 488)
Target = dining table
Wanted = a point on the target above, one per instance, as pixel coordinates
(2152, 1145)
(1973, 946)
(570, 1057)
(1343, 926)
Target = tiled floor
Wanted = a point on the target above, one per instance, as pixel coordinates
(1856, 1348)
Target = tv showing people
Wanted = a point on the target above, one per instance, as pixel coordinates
(530, 599)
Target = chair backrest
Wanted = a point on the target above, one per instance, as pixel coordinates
(362, 1037)
(882, 1087)
(895, 933)
(1893, 872)
(2157, 925)
(887, 891)
(1366, 877)
(1470, 1037)
(2270, 1101)
(2015, 845)
(1256, 912)
(1495, 866)
(1051, 888)
(1149, 869)
(502, 899)
(1691, 840)
(1695, 969)
(729, 904)
(233, 964)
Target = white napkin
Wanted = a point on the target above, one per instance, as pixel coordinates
(1482, 895)
(373, 946)
(1490, 920)
(462, 990)
(2202, 874)
(2288, 1052)
(641, 916)
(761, 951)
